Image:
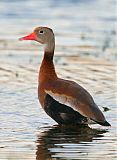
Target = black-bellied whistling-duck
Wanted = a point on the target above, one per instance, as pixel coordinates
(63, 100)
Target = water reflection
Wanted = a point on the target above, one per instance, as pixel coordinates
(81, 37)
(66, 142)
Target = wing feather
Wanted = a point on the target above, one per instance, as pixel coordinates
(73, 95)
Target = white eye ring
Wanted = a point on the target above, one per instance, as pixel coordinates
(41, 32)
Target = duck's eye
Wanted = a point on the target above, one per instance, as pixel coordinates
(41, 32)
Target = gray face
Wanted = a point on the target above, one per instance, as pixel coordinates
(44, 35)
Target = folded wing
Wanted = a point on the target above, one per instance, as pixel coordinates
(73, 95)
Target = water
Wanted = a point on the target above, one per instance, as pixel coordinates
(85, 51)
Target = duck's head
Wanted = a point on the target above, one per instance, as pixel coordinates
(43, 35)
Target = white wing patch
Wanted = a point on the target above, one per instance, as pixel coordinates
(76, 105)
(63, 99)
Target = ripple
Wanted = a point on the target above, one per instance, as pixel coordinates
(85, 51)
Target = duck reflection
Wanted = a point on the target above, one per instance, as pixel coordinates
(63, 142)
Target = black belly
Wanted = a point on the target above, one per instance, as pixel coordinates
(61, 113)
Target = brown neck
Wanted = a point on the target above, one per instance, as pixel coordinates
(47, 70)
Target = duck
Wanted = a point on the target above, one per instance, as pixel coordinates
(65, 101)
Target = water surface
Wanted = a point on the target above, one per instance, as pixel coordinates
(85, 51)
